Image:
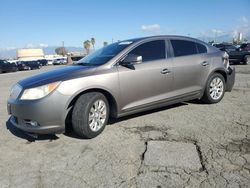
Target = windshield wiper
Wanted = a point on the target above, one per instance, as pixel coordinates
(84, 64)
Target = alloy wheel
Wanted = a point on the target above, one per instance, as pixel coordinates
(216, 88)
(97, 115)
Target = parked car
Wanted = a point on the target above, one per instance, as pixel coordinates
(43, 62)
(22, 66)
(31, 64)
(60, 61)
(50, 61)
(122, 78)
(236, 55)
(5, 66)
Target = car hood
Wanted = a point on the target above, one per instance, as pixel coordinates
(59, 74)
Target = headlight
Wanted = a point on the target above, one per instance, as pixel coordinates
(225, 59)
(39, 92)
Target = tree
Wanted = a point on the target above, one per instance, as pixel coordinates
(61, 51)
(92, 40)
(87, 45)
(105, 43)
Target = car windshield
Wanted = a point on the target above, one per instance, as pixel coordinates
(104, 54)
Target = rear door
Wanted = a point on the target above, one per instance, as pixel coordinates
(190, 63)
(148, 82)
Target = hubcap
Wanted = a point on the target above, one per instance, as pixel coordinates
(97, 115)
(216, 88)
(248, 60)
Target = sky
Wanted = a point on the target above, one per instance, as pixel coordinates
(30, 23)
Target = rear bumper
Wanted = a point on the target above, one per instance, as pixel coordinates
(230, 78)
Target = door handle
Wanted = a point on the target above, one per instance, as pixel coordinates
(165, 71)
(204, 63)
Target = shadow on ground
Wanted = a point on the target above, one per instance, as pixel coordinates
(113, 120)
(69, 130)
(26, 136)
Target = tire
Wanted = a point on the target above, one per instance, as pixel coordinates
(218, 92)
(247, 60)
(82, 112)
(1, 71)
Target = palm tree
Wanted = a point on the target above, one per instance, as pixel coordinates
(93, 42)
(87, 45)
(105, 43)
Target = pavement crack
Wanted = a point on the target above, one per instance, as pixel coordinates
(143, 157)
(203, 167)
(143, 154)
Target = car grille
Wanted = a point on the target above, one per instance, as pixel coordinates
(15, 91)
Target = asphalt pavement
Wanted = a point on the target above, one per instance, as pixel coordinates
(189, 144)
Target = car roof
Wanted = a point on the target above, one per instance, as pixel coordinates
(141, 39)
(163, 36)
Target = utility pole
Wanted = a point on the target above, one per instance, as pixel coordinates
(63, 48)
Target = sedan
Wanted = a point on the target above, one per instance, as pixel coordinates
(122, 78)
(30, 65)
(22, 66)
(5, 66)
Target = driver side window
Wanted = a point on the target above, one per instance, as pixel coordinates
(150, 51)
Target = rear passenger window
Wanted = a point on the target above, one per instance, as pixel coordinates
(201, 48)
(150, 51)
(182, 47)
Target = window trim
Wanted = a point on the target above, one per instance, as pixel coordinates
(172, 49)
(202, 45)
(140, 43)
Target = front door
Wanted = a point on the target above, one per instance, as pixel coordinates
(149, 81)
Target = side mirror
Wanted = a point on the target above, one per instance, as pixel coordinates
(131, 59)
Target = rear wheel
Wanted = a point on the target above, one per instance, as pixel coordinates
(90, 114)
(247, 60)
(215, 89)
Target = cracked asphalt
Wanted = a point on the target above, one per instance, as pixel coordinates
(215, 136)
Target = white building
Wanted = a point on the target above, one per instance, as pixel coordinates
(30, 54)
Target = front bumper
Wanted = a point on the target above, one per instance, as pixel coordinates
(230, 78)
(42, 116)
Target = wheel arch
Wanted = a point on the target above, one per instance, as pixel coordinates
(111, 99)
(220, 71)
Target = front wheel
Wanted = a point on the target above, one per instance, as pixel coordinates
(215, 89)
(90, 114)
(247, 60)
